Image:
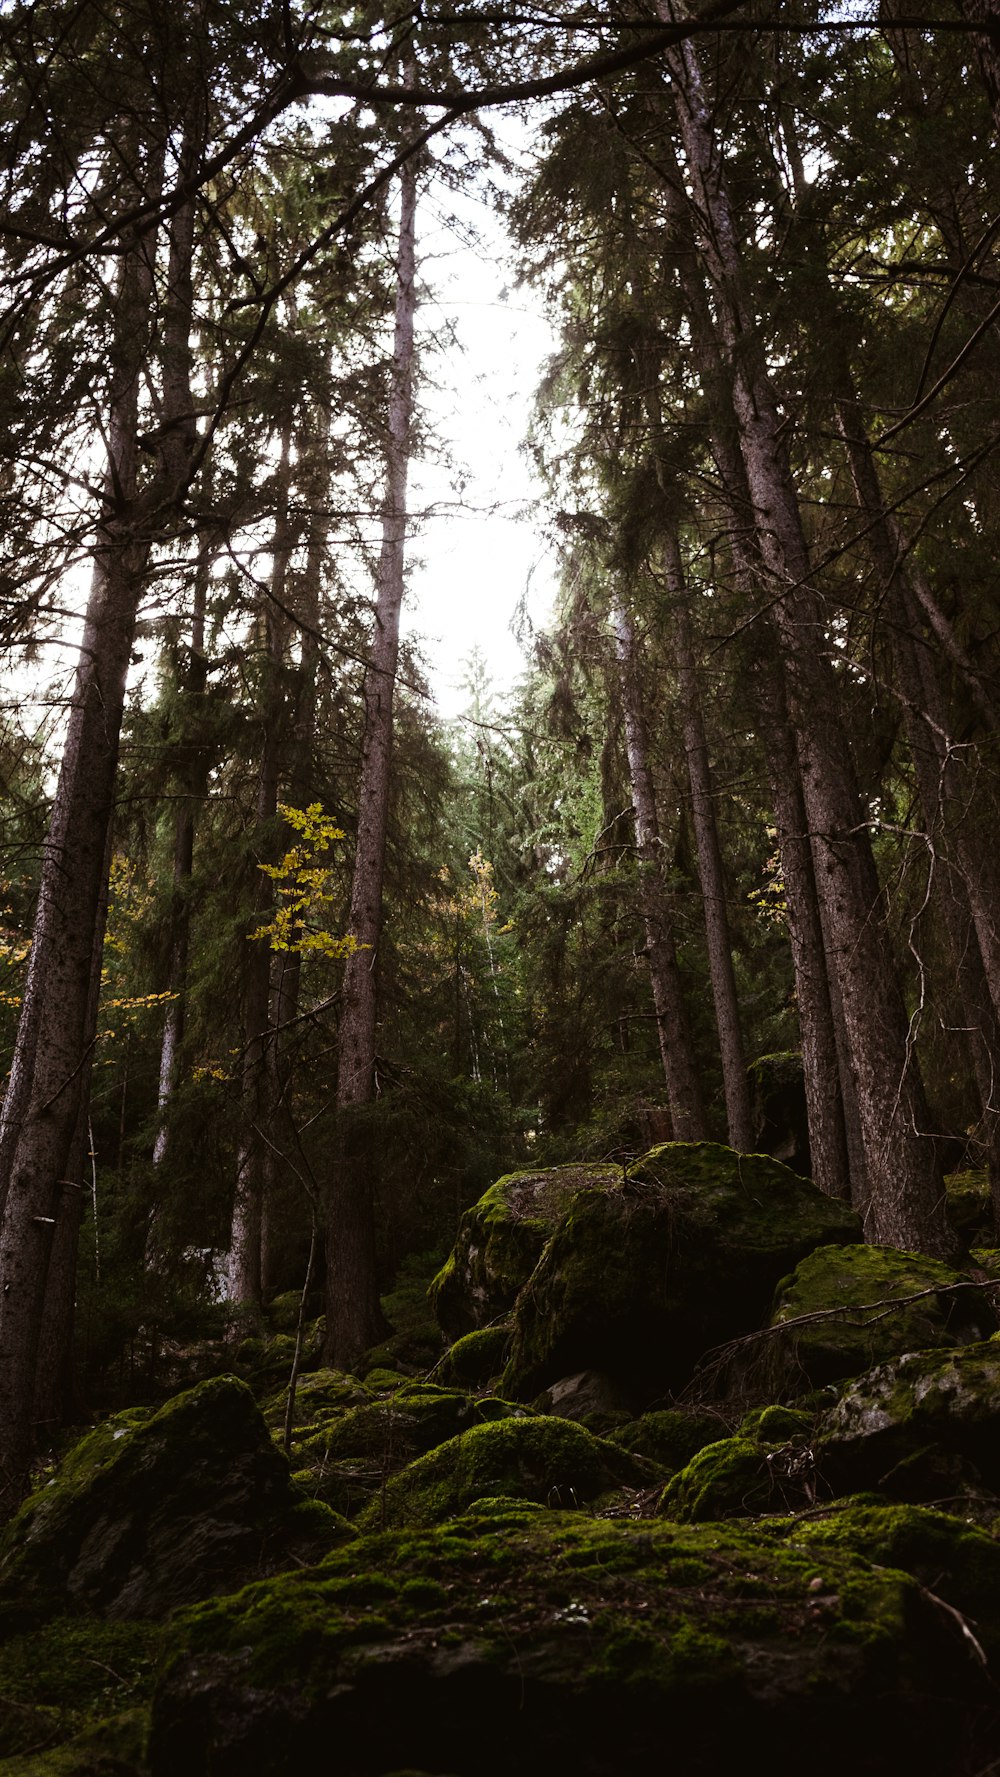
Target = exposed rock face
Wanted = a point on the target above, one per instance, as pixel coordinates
(559, 1646)
(501, 1238)
(153, 1510)
(640, 1277)
(923, 1426)
(849, 1290)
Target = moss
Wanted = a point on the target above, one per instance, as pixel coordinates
(669, 1436)
(776, 1425)
(476, 1358)
(380, 1379)
(841, 1283)
(348, 1461)
(550, 1460)
(60, 1679)
(956, 1560)
(638, 1281)
(970, 1205)
(500, 1239)
(112, 1748)
(737, 1478)
(579, 1644)
(319, 1397)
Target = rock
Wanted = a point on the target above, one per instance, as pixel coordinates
(850, 1286)
(560, 1646)
(590, 1398)
(970, 1207)
(741, 1477)
(538, 1458)
(500, 1240)
(641, 1277)
(319, 1397)
(476, 1358)
(669, 1436)
(778, 1109)
(59, 1681)
(349, 1460)
(925, 1426)
(957, 1561)
(152, 1510)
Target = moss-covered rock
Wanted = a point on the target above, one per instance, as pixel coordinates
(669, 1436)
(739, 1478)
(500, 1240)
(833, 1318)
(970, 1206)
(957, 1561)
(778, 1109)
(639, 1279)
(925, 1426)
(320, 1397)
(527, 1457)
(475, 1359)
(348, 1461)
(115, 1747)
(560, 1646)
(152, 1510)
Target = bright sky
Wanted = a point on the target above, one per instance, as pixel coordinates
(479, 556)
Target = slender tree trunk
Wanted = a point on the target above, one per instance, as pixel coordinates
(683, 1092)
(56, 1030)
(836, 1155)
(254, 1155)
(353, 1315)
(192, 788)
(710, 871)
(906, 1200)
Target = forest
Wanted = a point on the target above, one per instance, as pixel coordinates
(561, 1139)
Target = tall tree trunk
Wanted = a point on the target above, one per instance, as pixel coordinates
(56, 1029)
(254, 1153)
(192, 779)
(906, 1200)
(353, 1315)
(687, 1114)
(836, 1151)
(963, 851)
(710, 871)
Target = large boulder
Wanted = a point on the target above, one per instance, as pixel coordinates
(837, 1316)
(152, 1510)
(561, 1646)
(500, 1240)
(925, 1426)
(681, 1254)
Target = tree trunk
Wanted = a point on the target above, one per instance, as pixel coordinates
(254, 1156)
(835, 1147)
(56, 1029)
(683, 1092)
(906, 1200)
(710, 871)
(353, 1315)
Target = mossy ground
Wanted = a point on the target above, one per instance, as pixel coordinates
(57, 1681)
(582, 1643)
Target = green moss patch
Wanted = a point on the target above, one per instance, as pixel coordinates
(476, 1358)
(669, 1436)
